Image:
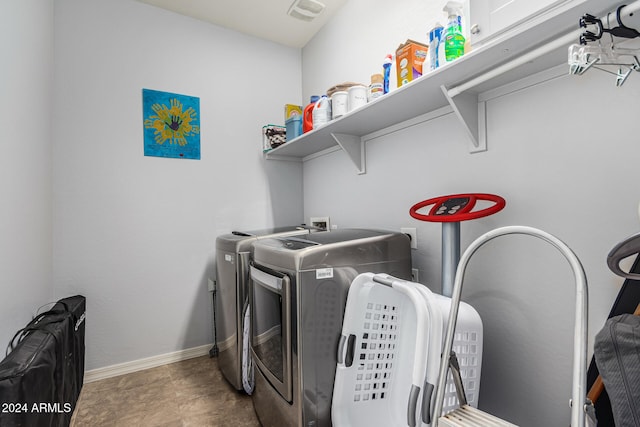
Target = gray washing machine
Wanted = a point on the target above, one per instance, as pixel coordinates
(233, 254)
(298, 292)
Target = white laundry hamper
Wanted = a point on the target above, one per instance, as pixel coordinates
(389, 354)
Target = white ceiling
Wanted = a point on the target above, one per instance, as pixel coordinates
(266, 19)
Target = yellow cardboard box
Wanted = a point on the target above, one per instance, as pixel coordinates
(409, 59)
(291, 110)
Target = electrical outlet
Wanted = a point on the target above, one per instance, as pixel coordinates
(322, 222)
(413, 235)
(415, 275)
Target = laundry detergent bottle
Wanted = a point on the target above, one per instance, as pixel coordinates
(307, 114)
(454, 40)
(321, 112)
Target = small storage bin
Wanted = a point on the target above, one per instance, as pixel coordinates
(273, 136)
(294, 127)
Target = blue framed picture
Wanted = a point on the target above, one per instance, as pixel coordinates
(171, 125)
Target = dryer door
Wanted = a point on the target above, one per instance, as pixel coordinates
(271, 327)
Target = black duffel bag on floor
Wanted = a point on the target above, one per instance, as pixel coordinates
(41, 378)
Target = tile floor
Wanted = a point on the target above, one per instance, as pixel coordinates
(183, 394)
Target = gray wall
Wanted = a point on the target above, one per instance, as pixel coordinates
(136, 234)
(26, 43)
(563, 154)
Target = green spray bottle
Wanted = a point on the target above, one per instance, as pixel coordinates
(453, 38)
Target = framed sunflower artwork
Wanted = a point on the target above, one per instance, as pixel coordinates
(171, 125)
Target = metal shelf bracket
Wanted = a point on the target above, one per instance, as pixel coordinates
(472, 115)
(353, 146)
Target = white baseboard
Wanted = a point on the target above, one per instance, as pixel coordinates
(146, 363)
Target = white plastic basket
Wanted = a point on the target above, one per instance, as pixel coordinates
(467, 344)
(389, 353)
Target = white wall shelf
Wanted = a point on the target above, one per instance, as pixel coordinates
(524, 47)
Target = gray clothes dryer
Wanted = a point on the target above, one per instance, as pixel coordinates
(233, 254)
(298, 292)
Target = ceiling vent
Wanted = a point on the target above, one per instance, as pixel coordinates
(305, 10)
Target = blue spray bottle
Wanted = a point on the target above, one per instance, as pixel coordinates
(435, 41)
(386, 66)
